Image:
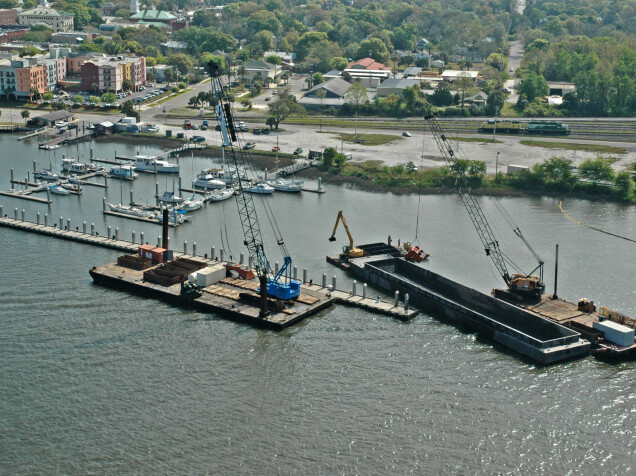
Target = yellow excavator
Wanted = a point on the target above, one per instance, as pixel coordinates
(350, 250)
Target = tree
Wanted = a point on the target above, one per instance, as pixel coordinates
(182, 62)
(126, 85)
(33, 93)
(92, 100)
(317, 78)
(128, 109)
(533, 86)
(284, 106)
(596, 170)
(48, 96)
(78, 100)
(169, 75)
(58, 105)
(624, 185)
(29, 50)
(271, 122)
(356, 95)
(108, 98)
(247, 104)
(328, 156)
(556, 171)
(464, 83)
(374, 48)
(274, 59)
(25, 115)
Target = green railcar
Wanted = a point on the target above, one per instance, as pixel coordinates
(548, 127)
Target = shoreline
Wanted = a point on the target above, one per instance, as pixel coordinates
(267, 161)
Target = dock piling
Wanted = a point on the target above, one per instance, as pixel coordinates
(296, 272)
(353, 288)
(11, 180)
(249, 262)
(46, 219)
(157, 191)
(212, 253)
(131, 196)
(158, 242)
(15, 214)
(92, 229)
(23, 214)
(61, 223)
(68, 224)
(104, 204)
(141, 238)
(110, 232)
(38, 218)
(84, 227)
(319, 183)
(333, 282)
(364, 290)
(406, 303)
(242, 258)
(117, 234)
(304, 275)
(1, 211)
(324, 280)
(185, 247)
(397, 299)
(34, 167)
(276, 265)
(222, 254)
(194, 249)
(105, 181)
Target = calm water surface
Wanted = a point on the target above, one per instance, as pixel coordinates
(100, 382)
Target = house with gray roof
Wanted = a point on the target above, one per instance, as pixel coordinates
(397, 85)
(260, 70)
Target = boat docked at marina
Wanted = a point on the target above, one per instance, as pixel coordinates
(169, 197)
(72, 186)
(149, 163)
(260, 188)
(56, 189)
(130, 210)
(72, 166)
(175, 216)
(123, 172)
(285, 185)
(46, 174)
(207, 181)
(219, 195)
(49, 146)
(190, 204)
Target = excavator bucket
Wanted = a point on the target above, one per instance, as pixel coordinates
(332, 238)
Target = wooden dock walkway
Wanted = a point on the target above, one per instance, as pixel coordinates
(34, 133)
(152, 221)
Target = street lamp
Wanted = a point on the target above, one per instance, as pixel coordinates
(497, 167)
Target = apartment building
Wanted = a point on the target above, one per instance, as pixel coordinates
(109, 73)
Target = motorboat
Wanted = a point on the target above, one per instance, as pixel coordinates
(152, 164)
(123, 172)
(49, 146)
(46, 174)
(222, 174)
(190, 204)
(284, 185)
(207, 181)
(56, 189)
(71, 166)
(219, 195)
(130, 210)
(260, 188)
(170, 197)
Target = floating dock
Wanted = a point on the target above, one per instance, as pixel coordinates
(540, 339)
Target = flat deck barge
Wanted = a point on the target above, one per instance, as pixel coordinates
(518, 329)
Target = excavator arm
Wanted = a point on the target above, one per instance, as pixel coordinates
(351, 250)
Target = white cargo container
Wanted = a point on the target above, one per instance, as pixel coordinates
(616, 333)
(211, 275)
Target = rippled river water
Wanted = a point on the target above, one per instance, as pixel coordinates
(96, 381)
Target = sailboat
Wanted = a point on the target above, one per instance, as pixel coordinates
(190, 204)
(170, 197)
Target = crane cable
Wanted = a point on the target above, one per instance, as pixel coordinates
(592, 227)
(416, 241)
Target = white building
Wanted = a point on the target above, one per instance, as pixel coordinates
(58, 21)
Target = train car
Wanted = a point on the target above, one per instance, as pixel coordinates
(548, 127)
(505, 126)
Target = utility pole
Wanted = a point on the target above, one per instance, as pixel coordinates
(497, 167)
(494, 129)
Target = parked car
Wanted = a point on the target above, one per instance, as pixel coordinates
(298, 151)
(507, 90)
(406, 134)
(217, 127)
(197, 139)
(249, 145)
(265, 130)
(256, 131)
(195, 127)
(244, 129)
(268, 98)
(204, 127)
(153, 129)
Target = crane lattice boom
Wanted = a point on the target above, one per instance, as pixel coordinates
(486, 235)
